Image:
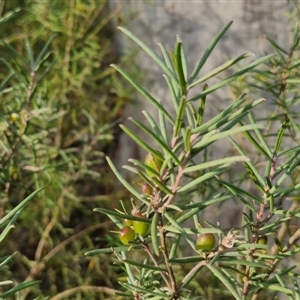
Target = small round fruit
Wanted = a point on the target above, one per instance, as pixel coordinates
(127, 222)
(14, 117)
(147, 189)
(139, 226)
(154, 162)
(262, 240)
(127, 235)
(205, 242)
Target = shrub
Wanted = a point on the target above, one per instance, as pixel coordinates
(187, 182)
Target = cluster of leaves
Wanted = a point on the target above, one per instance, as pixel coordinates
(242, 259)
(59, 104)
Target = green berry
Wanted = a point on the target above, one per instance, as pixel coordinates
(262, 240)
(154, 162)
(205, 242)
(127, 222)
(127, 235)
(139, 226)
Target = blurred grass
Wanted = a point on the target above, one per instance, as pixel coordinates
(62, 132)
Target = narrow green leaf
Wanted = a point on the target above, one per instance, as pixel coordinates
(184, 64)
(216, 162)
(174, 247)
(151, 134)
(238, 190)
(260, 136)
(20, 287)
(258, 180)
(122, 180)
(6, 260)
(43, 51)
(163, 127)
(180, 229)
(226, 281)
(109, 250)
(144, 266)
(179, 67)
(203, 178)
(179, 119)
(233, 77)
(174, 93)
(280, 51)
(208, 51)
(202, 107)
(187, 259)
(19, 206)
(153, 124)
(120, 215)
(142, 91)
(30, 54)
(154, 233)
(226, 115)
(280, 136)
(187, 139)
(149, 52)
(166, 58)
(220, 69)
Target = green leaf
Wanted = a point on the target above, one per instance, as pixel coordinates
(150, 53)
(166, 58)
(226, 281)
(150, 133)
(220, 69)
(120, 215)
(180, 115)
(5, 260)
(144, 266)
(180, 230)
(19, 206)
(179, 66)
(140, 89)
(122, 180)
(216, 162)
(202, 107)
(214, 136)
(154, 233)
(20, 287)
(174, 247)
(111, 250)
(208, 51)
(187, 259)
(203, 178)
(233, 77)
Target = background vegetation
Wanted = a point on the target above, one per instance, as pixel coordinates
(59, 105)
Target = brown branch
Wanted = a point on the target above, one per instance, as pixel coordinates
(157, 265)
(85, 289)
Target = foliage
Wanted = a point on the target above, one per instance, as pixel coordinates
(188, 182)
(59, 104)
